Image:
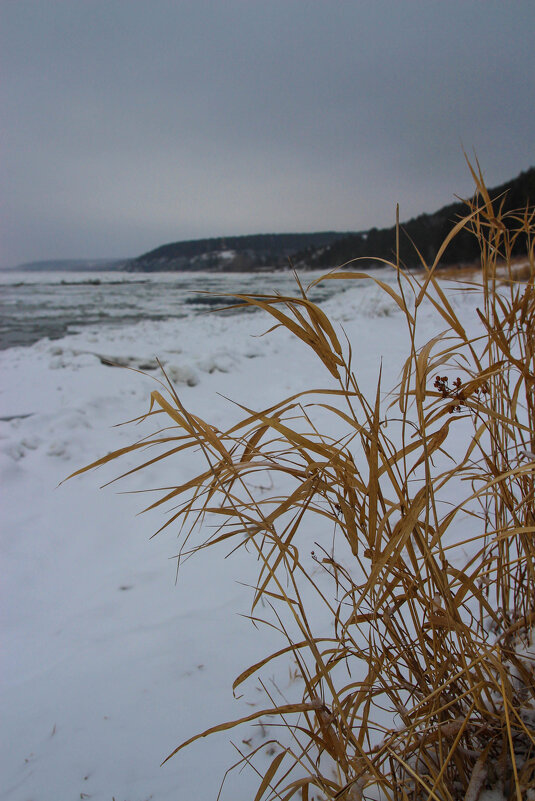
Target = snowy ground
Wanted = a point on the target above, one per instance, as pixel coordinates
(107, 664)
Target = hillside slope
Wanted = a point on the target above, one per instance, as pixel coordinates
(427, 231)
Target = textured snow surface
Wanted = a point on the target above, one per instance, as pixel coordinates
(107, 664)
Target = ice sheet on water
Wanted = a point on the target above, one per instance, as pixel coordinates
(33, 306)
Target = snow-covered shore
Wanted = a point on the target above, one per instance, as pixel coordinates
(107, 665)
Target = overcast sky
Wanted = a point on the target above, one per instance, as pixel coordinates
(129, 123)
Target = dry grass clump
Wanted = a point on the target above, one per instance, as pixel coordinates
(423, 687)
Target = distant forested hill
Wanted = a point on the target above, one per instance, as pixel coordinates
(232, 253)
(331, 249)
(427, 232)
(323, 250)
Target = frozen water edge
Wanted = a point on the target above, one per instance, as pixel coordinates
(107, 665)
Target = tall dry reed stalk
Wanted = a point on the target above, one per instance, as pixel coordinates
(423, 688)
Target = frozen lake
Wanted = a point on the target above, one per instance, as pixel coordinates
(37, 305)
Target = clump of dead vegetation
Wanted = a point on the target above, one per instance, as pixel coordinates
(424, 685)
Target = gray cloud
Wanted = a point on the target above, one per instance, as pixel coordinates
(127, 124)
